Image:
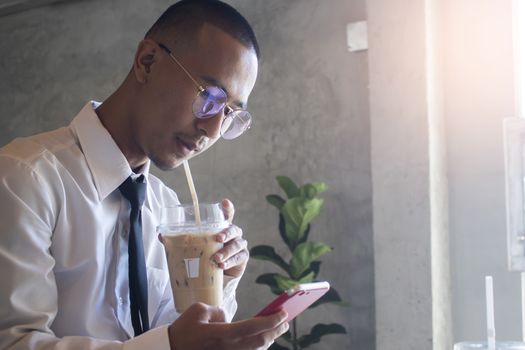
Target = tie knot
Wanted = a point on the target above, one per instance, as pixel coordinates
(134, 191)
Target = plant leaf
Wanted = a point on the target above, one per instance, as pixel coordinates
(270, 281)
(304, 254)
(298, 213)
(332, 296)
(305, 235)
(277, 282)
(275, 200)
(287, 336)
(318, 331)
(265, 252)
(314, 267)
(307, 278)
(282, 232)
(284, 283)
(277, 346)
(312, 190)
(288, 186)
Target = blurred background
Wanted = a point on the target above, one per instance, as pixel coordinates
(407, 133)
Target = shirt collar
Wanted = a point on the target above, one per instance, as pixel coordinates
(106, 161)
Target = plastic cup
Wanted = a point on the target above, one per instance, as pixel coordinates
(194, 276)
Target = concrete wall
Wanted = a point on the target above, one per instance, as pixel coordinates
(479, 94)
(400, 173)
(472, 68)
(311, 123)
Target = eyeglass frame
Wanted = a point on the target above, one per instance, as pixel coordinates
(227, 109)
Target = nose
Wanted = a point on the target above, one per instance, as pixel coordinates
(210, 127)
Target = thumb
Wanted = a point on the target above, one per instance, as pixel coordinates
(257, 325)
(216, 314)
(204, 313)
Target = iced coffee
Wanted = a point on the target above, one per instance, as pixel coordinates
(194, 276)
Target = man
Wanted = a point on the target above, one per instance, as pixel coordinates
(68, 252)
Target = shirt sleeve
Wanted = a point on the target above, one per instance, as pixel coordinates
(28, 292)
(229, 303)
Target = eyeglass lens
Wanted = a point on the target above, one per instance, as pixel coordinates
(211, 101)
(236, 123)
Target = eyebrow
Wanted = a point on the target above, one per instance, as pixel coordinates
(215, 82)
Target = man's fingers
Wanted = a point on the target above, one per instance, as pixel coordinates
(265, 339)
(228, 209)
(234, 255)
(238, 259)
(203, 326)
(230, 249)
(206, 313)
(284, 329)
(217, 314)
(228, 234)
(257, 325)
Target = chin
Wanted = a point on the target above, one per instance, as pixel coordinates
(166, 164)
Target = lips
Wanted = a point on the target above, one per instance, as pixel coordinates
(186, 147)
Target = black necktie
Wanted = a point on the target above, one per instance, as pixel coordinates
(135, 192)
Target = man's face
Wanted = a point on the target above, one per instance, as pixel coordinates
(165, 127)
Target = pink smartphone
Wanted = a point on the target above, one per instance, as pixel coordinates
(295, 300)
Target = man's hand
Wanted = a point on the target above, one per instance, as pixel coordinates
(233, 257)
(203, 327)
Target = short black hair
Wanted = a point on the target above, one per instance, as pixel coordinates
(190, 15)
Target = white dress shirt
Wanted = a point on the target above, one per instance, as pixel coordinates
(63, 244)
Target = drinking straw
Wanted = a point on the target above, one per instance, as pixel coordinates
(193, 192)
(491, 330)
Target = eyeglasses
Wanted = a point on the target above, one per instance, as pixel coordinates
(211, 100)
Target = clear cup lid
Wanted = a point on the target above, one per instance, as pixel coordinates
(182, 218)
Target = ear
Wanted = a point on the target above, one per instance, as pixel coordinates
(145, 57)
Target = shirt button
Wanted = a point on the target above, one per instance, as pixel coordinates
(121, 301)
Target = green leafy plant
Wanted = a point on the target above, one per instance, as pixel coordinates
(295, 215)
